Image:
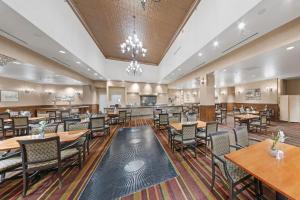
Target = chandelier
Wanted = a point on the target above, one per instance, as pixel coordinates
(133, 45)
(134, 68)
(143, 2)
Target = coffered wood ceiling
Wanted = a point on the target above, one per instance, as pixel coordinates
(110, 22)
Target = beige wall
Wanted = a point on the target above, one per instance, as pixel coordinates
(134, 90)
(184, 96)
(37, 94)
(225, 95)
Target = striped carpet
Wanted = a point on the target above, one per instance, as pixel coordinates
(193, 181)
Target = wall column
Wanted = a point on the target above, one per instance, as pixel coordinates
(207, 98)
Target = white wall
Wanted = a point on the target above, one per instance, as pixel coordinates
(57, 20)
(210, 18)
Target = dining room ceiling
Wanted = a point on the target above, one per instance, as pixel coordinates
(110, 22)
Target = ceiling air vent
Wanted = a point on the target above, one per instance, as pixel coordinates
(60, 62)
(238, 43)
(13, 37)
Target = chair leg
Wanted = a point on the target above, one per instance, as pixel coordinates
(231, 192)
(79, 160)
(213, 172)
(59, 177)
(25, 183)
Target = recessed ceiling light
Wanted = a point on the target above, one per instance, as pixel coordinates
(216, 43)
(241, 25)
(78, 62)
(95, 74)
(16, 62)
(200, 54)
(224, 70)
(290, 48)
(89, 69)
(61, 51)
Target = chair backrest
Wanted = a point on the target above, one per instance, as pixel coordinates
(211, 127)
(67, 123)
(20, 122)
(5, 115)
(164, 118)
(263, 119)
(223, 113)
(241, 136)
(192, 117)
(176, 117)
(122, 114)
(52, 114)
(65, 114)
(78, 126)
(25, 113)
(60, 127)
(1, 124)
(49, 128)
(97, 122)
(40, 150)
(220, 143)
(45, 115)
(189, 131)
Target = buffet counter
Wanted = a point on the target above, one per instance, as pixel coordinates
(137, 111)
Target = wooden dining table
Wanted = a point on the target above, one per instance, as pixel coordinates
(30, 119)
(68, 136)
(283, 176)
(178, 125)
(247, 118)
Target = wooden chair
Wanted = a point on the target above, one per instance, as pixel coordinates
(222, 116)
(20, 126)
(68, 121)
(52, 116)
(234, 176)
(83, 141)
(97, 124)
(176, 117)
(9, 162)
(163, 120)
(204, 136)
(129, 114)
(242, 138)
(261, 124)
(65, 114)
(40, 154)
(187, 138)
(5, 115)
(156, 113)
(122, 116)
(49, 128)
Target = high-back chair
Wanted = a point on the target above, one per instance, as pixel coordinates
(122, 116)
(163, 120)
(192, 117)
(261, 124)
(2, 129)
(242, 138)
(83, 141)
(203, 136)
(20, 125)
(65, 114)
(40, 154)
(98, 124)
(187, 138)
(176, 118)
(5, 115)
(49, 128)
(69, 121)
(220, 146)
(52, 116)
(222, 116)
(156, 113)
(129, 114)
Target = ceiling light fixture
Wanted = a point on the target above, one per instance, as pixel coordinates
(290, 48)
(241, 25)
(95, 74)
(216, 43)
(88, 69)
(134, 68)
(78, 62)
(16, 62)
(200, 54)
(133, 44)
(61, 51)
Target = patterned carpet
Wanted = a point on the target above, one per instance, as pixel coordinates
(193, 181)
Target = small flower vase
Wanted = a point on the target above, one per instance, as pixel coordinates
(42, 134)
(273, 152)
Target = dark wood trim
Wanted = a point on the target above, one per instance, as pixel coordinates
(207, 113)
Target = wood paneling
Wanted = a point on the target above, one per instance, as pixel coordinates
(207, 113)
(110, 22)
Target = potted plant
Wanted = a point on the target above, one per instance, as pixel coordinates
(41, 129)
